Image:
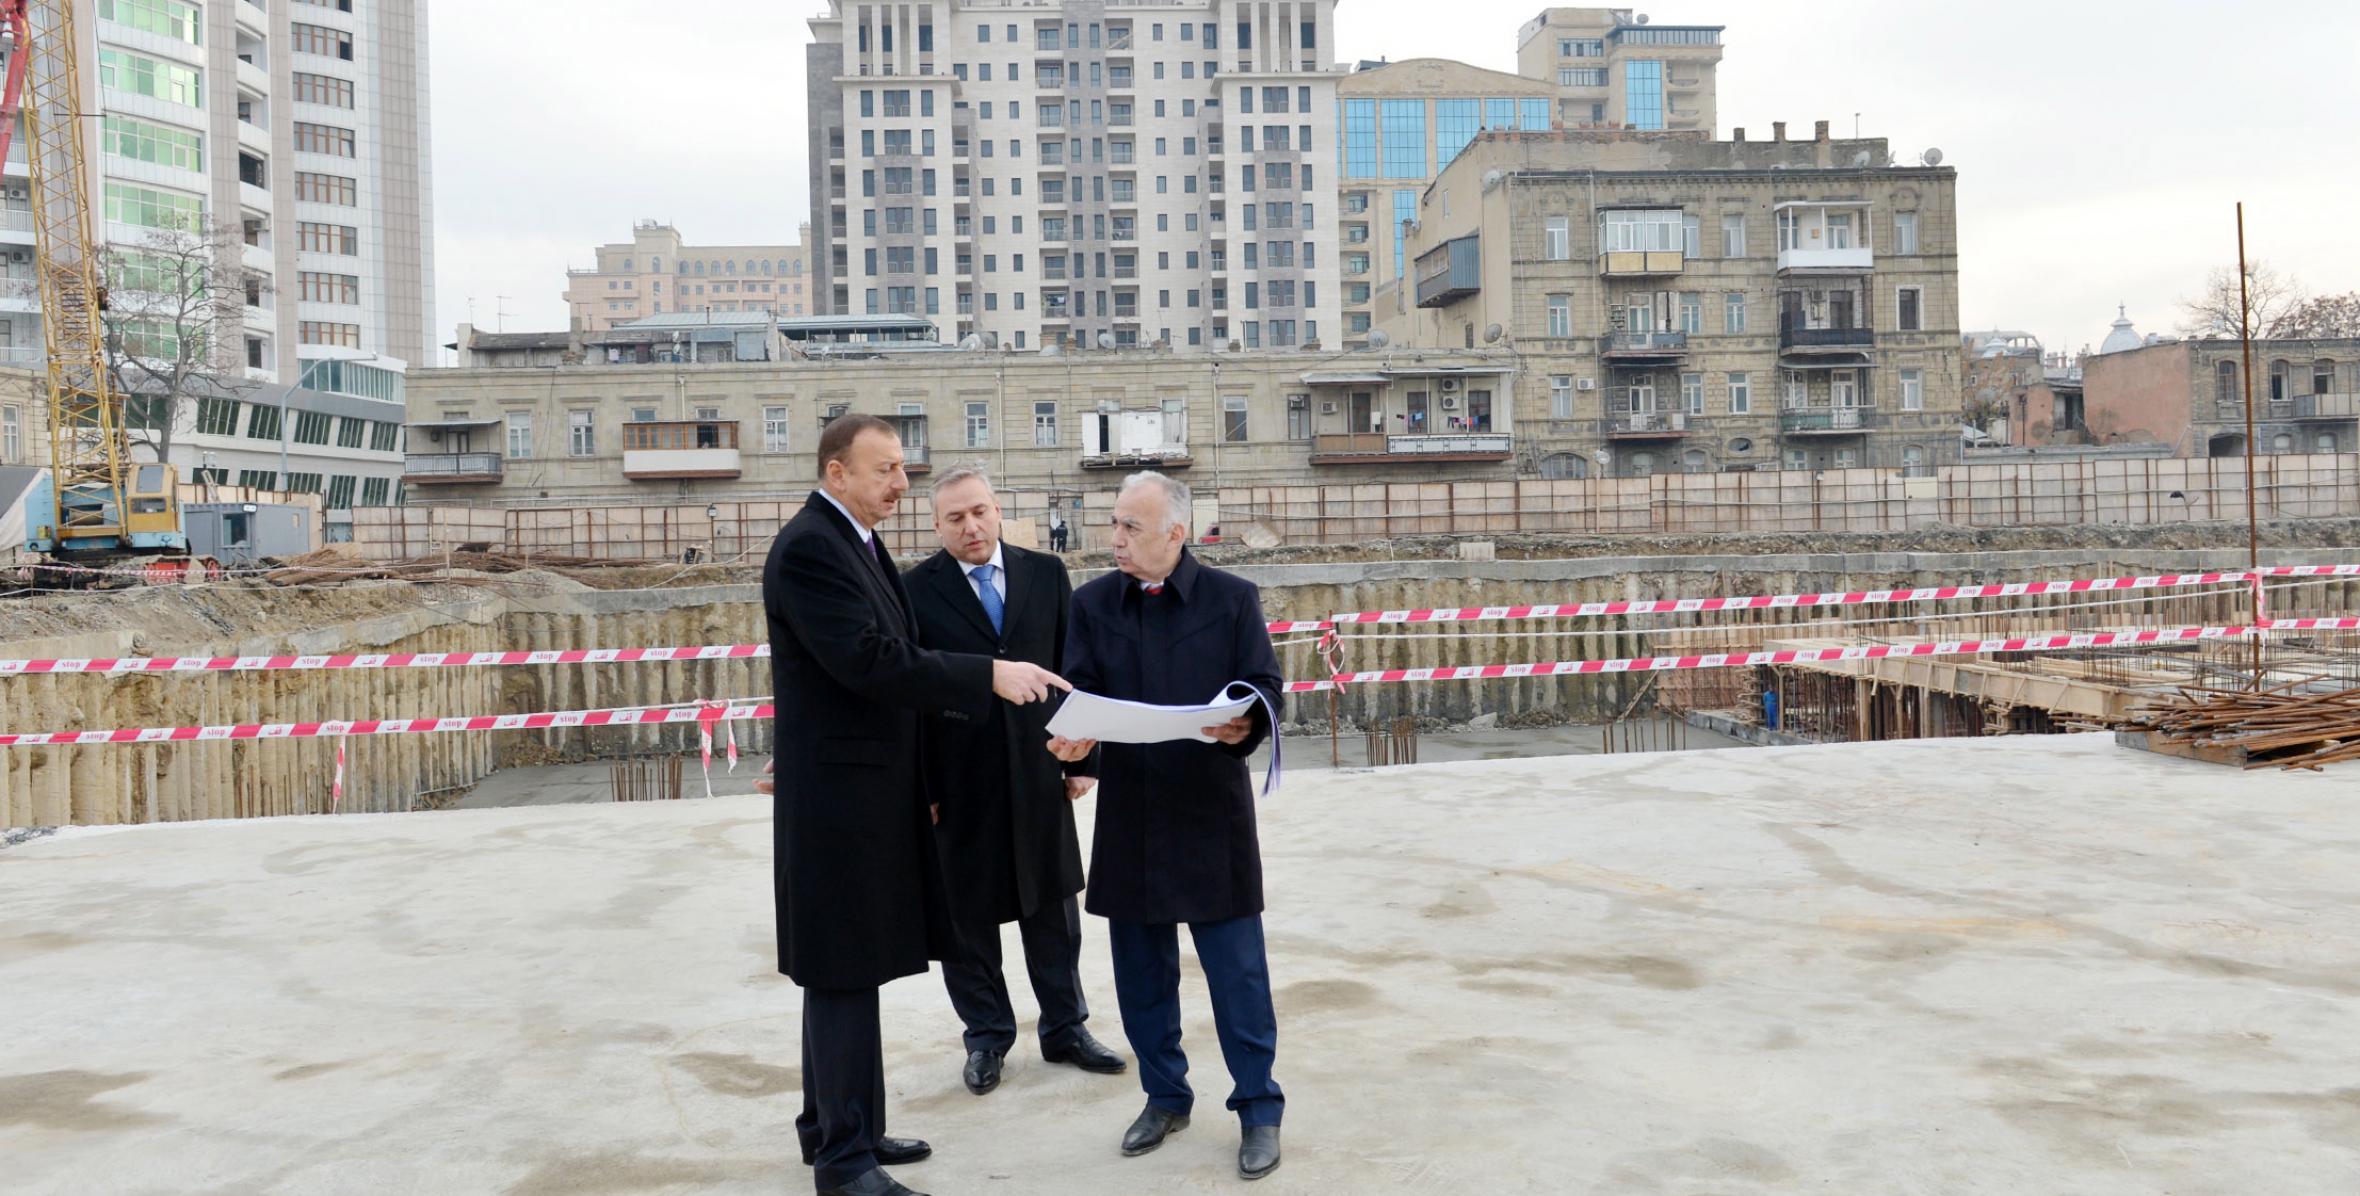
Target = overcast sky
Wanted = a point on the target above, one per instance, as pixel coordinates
(2100, 146)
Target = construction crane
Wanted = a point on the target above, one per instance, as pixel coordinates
(97, 505)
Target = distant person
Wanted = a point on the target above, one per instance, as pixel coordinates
(1175, 840)
(1006, 815)
(859, 888)
(1056, 532)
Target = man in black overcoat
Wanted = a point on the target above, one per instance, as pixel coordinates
(1175, 839)
(860, 893)
(1005, 809)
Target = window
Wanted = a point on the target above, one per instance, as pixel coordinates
(2322, 376)
(340, 492)
(1692, 313)
(259, 479)
(1045, 423)
(1733, 312)
(1843, 388)
(324, 139)
(329, 288)
(350, 431)
(1581, 76)
(141, 75)
(1692, 393)
(373, 491)
(2282, 443)
(1643, 94)
(1798, 390)
(1913, 390)
(1455, 124)
(385, 438)
(1624, 230)
(323, 89)
(979, 425)
(1692, 236)
(1560, 315)
(1404, 138)
(1907, 316)
(581, 433)
(321, 40)
(327, 188)
(168, 18)
(1741, 395)
(216, 417)
(1561, 396)
(163, 145)
(2225, 383)
(520, 434)
(148, 207)
(321, 332)
(311, 427)
(340, 239)
(1839, 230)
(1233, 418)
(263, 424)
(1905, 232)
(1557, 239)
(1733, 235)
(303, 483)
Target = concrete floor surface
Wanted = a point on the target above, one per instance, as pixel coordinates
(2029, 966)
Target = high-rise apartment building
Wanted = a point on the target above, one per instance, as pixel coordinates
(1402, 123)
(655, 273)
(288, 142)
(1041, 172)
(1612, 67)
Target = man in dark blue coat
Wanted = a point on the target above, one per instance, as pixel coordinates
(1175, 839)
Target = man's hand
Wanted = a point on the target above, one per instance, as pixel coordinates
(767, 786)
(1023, 683)
(936, 810)
(1075, 787)
(1232, 732)
(1071, 751)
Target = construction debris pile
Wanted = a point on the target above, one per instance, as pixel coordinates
(2292, 725)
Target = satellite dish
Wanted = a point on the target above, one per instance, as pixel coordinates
(1055, 348)
(1860, 160)
(1106, 340)
(1491, 179)
(1603, 456)
(972, 341)
(1377, 339)
(1642, 18)
(1933, 157)
(1492, 335)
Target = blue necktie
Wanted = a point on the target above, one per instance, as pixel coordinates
(992, 606)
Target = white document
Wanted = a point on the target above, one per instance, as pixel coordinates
(1113, 720)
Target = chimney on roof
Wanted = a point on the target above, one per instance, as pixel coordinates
(1737, 134)
(1778, 130)
(1819, 131)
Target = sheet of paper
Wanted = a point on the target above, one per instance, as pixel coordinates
(1113, 720)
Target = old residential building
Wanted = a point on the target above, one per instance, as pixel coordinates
(1403, 122)
(507, 434)
(655, 273)
(1611, 68)
(1037, 172)
(2190, 395)
(1677, 303)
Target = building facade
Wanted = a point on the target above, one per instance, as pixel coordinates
(1682, 304)
(1612, 68)
(1073, 172)
(502, 435)
(656, 273)
(1402, 123)
(2190, 395)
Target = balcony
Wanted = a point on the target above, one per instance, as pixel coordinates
(2327, 406)
(1377, 448)
(1449, 272)
(1825, 340)
(449, 469)
(1647, 425)
(1640, 263)
(668, 449)
(1826, 421)
(1643, 347)
(915, 458)
(1823, 238)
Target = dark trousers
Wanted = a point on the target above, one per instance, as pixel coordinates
(843, 1083)
(1052, 938)
(1237, 971)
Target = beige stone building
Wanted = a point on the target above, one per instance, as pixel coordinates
(1403, 122)
(1679, 303)
(656, 273)
(1613, 68)
(591, 434)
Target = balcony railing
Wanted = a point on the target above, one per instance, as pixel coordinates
(1643, 344)
(1824, 421)
(681, 449)
(2327, 406)
(450, 468)
(1791, 337)
(1361, 448)
(1639, 425)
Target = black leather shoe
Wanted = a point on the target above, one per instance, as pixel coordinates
(983, 1071)
(889, 1150)
(875, 1183)
(1149, 1132)
(1086, 1053)
(1257, 1152)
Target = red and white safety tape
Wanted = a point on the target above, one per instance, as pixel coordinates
(694, 712)
(2062, 641)
(379, 660)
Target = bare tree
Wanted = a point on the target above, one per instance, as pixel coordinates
(2215, 312)
(175, 326)
(2324, 316)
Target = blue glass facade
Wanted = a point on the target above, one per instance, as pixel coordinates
(1643, 94)
(1536, 116)
(1360, 139)
(1455, 123)
(1499, 114)
(1405, 139)
(1405, 209)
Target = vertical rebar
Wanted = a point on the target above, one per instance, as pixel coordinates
(2253, 538)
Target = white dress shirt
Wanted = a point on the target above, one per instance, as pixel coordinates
(865, 534)
(999, 575)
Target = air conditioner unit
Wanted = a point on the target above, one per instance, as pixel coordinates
(1328, 407)
(1449, 385)
(1450, 404)
(1585, 384)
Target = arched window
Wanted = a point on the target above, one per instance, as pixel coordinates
(785, 266)
(655, 265)
(1642, 464)
(731, 266)
(1560, 466)
(700, 267)
(2278, 387)
(2225, 383)
(1695, 461)
(1913, 460)
(2322, 376)
(2282, 443)
(2325, 443)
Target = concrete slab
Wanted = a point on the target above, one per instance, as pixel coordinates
(2008, 966)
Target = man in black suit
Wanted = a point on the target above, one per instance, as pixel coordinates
(1005, 821)
(860, 893)
(1175, 839)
